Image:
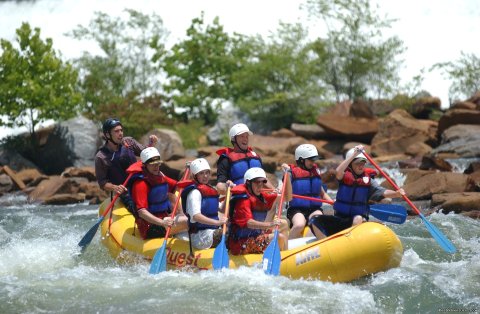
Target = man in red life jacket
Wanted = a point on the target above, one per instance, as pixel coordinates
(152, 193)
(254, 216)
(306, 181)
(201, 204)
(356, 188)
(234, 162)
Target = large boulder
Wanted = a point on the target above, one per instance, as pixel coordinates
(457, 202)
(309, 131)
(436, 183)
(52, 186)
(227, 117)
(349, 128)
(457, 116)
(422, 108)
(169, 144)
(461, 139)
(399, 130)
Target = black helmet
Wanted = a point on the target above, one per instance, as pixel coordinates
(109, 124)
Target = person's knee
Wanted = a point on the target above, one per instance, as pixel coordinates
(357, 220)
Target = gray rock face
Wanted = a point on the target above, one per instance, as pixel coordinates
(227, 117)
(461, 139)
(81, 138)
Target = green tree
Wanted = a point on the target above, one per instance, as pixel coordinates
(35, 84)
(199, 69)
(123, 70)
(280, 82)
(465, 76)
(360, 61)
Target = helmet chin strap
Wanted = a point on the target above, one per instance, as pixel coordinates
(109, 139)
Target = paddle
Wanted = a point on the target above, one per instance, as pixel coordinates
(88, 237)
(220, 255)
(271, 255)
(159, 262)
(386, 212)
(436, 233)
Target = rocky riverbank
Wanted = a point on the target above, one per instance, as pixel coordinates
(423, 149)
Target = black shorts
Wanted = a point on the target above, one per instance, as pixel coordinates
(156, 231)
(306, 212)
(329, 225)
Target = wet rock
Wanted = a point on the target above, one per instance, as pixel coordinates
(6, 183)
(63, 199)
(457, 202)
(52, 186)
(436, 183)
(83, 172)
(461, 139)
(434, 163)
(399, 130)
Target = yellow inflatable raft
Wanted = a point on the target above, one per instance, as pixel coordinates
(353, 253)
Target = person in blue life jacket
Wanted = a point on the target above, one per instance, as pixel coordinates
(253, 218)
(200, 201)
(152, 192)
(115, 156)
(356, 187)
(234, 162)
(306, 181)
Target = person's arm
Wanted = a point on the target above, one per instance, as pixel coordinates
(324, 195)
(393, 194)
(101, 173)
(344, 164)
(139, 196)
(223, 169)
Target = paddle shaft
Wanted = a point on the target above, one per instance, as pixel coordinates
(282, 197)
(391, 182)
(177, 201)
(227, 209)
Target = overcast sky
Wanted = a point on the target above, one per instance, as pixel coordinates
(432, 31)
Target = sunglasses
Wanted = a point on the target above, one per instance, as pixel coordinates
(260, 181)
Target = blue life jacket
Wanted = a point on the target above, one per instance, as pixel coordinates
(158, 201)
(305, 183)
(240, 163)
(353, 195)
(209, 205)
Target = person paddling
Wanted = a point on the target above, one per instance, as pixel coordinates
(356, 187)
(201, 204)
(253, 216)
(152, 192)
(306, 181)
(234, 162)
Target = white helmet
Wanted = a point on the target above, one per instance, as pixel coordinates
(198, 165)
(238, 129)
(306, 151)
(150, 155)
(351, 151)
(254, 173)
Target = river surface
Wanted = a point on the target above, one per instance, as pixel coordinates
(42, 271)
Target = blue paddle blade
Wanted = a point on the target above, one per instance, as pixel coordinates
(393, 213)
(220, 256)
(88, 237)
(159, 262)
(438, 236)
(271, 257)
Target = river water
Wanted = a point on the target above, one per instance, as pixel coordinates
(42, 271)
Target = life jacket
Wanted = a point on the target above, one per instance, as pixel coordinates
(306, 183)
(240, 163)
(158, 201)
(260, 205)
(353, 194)
(120, 161)
(208, 208)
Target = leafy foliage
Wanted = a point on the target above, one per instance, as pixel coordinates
(124, 71)
(359, 61)
(35, 85)
(465, 74)
(198, 70)
(279, 83)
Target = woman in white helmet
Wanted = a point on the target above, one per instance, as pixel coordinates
(356, 187)
(201, 204)
(253, 217)
(152, 193)
(234, 162)
(306, 181)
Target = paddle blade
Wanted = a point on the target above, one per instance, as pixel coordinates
(393, 213)
(159, 262)
(438, 236)
(88, 237)
(271, 257)
(220, 256)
